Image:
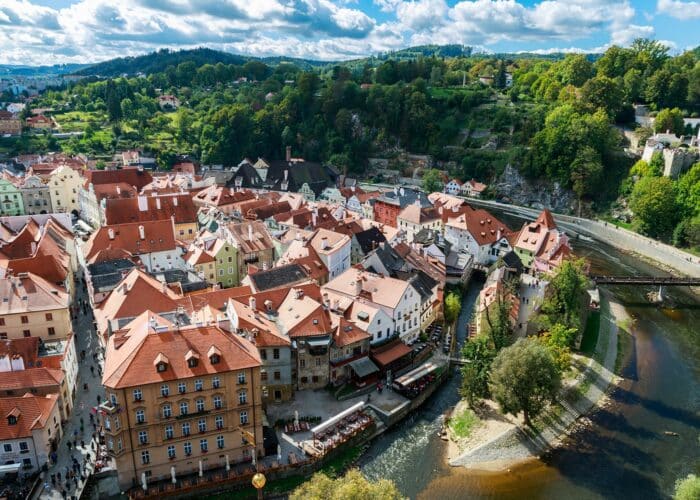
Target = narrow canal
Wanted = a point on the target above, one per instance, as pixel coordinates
(624, 454)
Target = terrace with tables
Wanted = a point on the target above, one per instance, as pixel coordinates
(338, 430)
(413, 383)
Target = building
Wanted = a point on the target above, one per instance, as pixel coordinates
(477, 233)
(388, 206)
(540, 245)
(415, 218)
(93, 199)
(214, 259)
(153, 242)
(223, 199)
(454, 187)
(11, 202)
(168, 102)
(35, 196)
(65, 184)
(41, 122)
(350, 343)
(179, 206)
(33, 307)
(333, 249)
(179, 397)
(397, 298)
(10, 123)
(254, 244)
(29, 431)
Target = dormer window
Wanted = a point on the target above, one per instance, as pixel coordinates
(214, 355)
(12, 420)
(161, 367)
(192, 362)
(214, 359)
(161, 362)
(192, 358)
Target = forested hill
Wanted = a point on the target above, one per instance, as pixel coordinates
(157, 62)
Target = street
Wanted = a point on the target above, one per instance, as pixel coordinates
(79, 429)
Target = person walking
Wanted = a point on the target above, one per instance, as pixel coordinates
(70, 446)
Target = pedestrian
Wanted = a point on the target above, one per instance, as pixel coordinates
(53, 479)
(58, 474)
(63, 494)
(70, 445)
(81, 421)
(82, 428)
(82, 443)
(92, 370)
(94, 426)
(75, 481)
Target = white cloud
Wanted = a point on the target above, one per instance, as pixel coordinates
(679, 9)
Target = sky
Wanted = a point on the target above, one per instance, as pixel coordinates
(83, 31)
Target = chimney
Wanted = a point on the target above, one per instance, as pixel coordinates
(110, 233)
(324, 243)
(358, 286)
(174, 201)
(251, 302)
(119, 191)
(33, 248)
(125, 288)
(143, 203)
(297, 236)
(142, 233)
(157, 203)
(286, 175)
(401, 191)
(264, 266)
(313, 218)
(288, 153)
(250, 232)
(336, 304)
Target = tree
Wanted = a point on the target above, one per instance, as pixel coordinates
(524, 377)
(563, 301)
(498, 320)
(688, 191)
(602, 92)
(453, 304)
(432, 181)
(669, 120)
(475, 373)
(688, 488)
(585, 173)
(575, 69)
(499, 79)
(653, 203)
(352, 485)
(559, 341)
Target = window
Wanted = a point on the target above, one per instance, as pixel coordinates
(215, 382)
(219, 421)
(171, 451)
(164, 390)
(143, 437)
(318, 361)
(220, 442)
(214, 359)
(184, 408)
(137, 394)
(276, 354)
(49, 317)
(186, 429)
(244, 417)
(52, 330)
(113, 398)
(263, 375)
(161, 367)
(263, 354)
(117, 422)
(23, 447)
(188, 448)
(192, 362)
(25, 320)
(2, 321)
(182, 387)
(119, 444)
(242, 397)
(140, 416)
(241, 377)
(167, 411)
(169, 434)
(199, 404)
(7, 447)
(26, 333)
(145, 457)
(202, 425)
(203, 445)
(302, 363)
(278, 375)
(217, 402)
(3, 335)
(198, 385)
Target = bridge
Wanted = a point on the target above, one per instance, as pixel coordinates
(459, 361)
(645, 280)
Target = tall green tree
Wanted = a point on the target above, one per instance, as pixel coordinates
(479, 353)
(653, 203)
(688, 488)
(524, 378)
(563, 301)
(586, 170)
(432, 181)
(453, 304)
(670, 120)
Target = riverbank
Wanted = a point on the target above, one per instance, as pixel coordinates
(500, 443)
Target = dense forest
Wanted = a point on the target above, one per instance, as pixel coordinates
(559, 120)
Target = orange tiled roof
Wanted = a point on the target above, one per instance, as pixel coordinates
(30, 378)
(159, 236)
(32, 412)
(151, 208)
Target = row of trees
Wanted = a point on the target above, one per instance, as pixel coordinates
(525, 376)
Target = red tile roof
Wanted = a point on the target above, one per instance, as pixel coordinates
(32, 412)
(158, 236)
(388, 354)
(31, 378)
(133, 176)
(151, 208)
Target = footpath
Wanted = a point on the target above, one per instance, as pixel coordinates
(78, 459)
(516, 443)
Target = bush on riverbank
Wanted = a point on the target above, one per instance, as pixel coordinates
(463, 423)
(688, 488)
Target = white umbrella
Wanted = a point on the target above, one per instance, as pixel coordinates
(144, 484)
(296, 417)
(201, 470)
(279, 452)
(172, 474)
(228, 466)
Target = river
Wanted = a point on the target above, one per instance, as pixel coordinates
(625, 454)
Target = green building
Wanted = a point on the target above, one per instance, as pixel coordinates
(11, 202)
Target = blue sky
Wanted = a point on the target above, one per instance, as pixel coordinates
(58, 31)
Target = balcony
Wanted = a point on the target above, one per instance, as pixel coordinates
(110, 408)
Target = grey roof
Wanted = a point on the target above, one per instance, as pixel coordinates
(363, 367)
(278, 277)
(369, 239)
(423, 284)
(392, 261)
(189, 281)
(406, 196)
(105, 276)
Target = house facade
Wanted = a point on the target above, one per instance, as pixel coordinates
(64, 185)
(35, 196)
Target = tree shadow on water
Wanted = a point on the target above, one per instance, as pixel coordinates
(662, 409)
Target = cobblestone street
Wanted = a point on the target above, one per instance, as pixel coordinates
(77, 444)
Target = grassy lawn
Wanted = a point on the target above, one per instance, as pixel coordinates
(463, 424)
(590, 334)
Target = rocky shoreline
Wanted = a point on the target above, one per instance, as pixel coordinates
(498, 446)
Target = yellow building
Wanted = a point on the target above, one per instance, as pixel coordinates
(179, 397)
(64, 186)
(33, 307)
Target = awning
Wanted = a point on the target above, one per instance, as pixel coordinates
(337, 418)
(363, 367)
(387, 356)
(9, 468)
(416, 374)
(319, 342)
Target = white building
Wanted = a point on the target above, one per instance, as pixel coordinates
(333, 249)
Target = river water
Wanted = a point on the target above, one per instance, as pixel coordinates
(625, 454)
